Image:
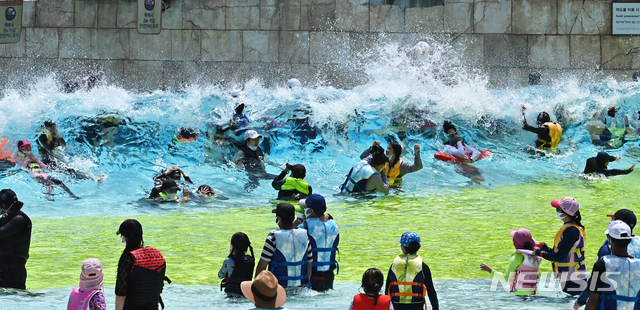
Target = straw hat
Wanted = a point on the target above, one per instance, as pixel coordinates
(264, 291)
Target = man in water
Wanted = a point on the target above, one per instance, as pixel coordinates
(549, 133)
(600, 163)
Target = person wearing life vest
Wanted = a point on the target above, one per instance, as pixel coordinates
(49, 140)
(549, 133)
(185, 135)
(238, 266)
(32, 164)
(523, 270)
(455, 146)
(409, 280)
(50, 147)
(172, 173)
(633, 249)
(599, 164)
(287, 251)
(614, 133)
(141, 271)
(396, 168)
(368, 174)
(372, 281)
(617, 280)
(293, 187)
(568, 254)
(15, 240)
(88, 295)
(250, 156)
(169, 193)
(324, 237)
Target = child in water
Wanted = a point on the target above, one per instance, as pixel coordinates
(32, 164)
(523, 265)
(372, 280)
(238, 266)
(89, 295)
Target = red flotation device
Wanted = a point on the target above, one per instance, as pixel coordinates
(451, 158)
(5, 153)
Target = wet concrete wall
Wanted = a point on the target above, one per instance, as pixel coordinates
(203, 41)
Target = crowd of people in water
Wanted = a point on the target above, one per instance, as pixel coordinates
(302, 251)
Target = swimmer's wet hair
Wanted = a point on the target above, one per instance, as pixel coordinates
(448, 125)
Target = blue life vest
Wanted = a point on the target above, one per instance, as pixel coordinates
(361, 171)
(324, 238)
(289, 262)
(621, 272)
(634, 247)
(241, 120)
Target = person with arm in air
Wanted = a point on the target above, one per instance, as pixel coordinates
(549, 133)
(599, 164)
(396, 168)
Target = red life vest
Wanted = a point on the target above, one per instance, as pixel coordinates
(148, 258)
(364, 302)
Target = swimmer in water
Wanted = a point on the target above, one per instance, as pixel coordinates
(549, 133)
(456, 147)
(368, 174)
(396, 168)
(599, 165)
(50, 146)
(169, 193)
(32, 164)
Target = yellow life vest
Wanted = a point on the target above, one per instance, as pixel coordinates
(32, 165)
(575, 260)
(294, 183)
(393, 173)
(555, 132)
(406, 270)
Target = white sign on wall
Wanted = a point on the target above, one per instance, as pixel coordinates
(149, 16)
(11, 21)
(625, 18)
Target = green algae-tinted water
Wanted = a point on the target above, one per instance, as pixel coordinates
(459, 230)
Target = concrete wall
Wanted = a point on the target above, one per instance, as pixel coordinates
(315, 40)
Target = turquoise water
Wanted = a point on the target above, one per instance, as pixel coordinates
(402, 95)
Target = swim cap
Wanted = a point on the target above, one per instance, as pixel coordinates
(612, 112)
(543, 117)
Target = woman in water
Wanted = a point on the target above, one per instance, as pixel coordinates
(567, 255)
(32, 164)
(396, 168)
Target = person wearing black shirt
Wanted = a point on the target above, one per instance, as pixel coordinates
(15, 240)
